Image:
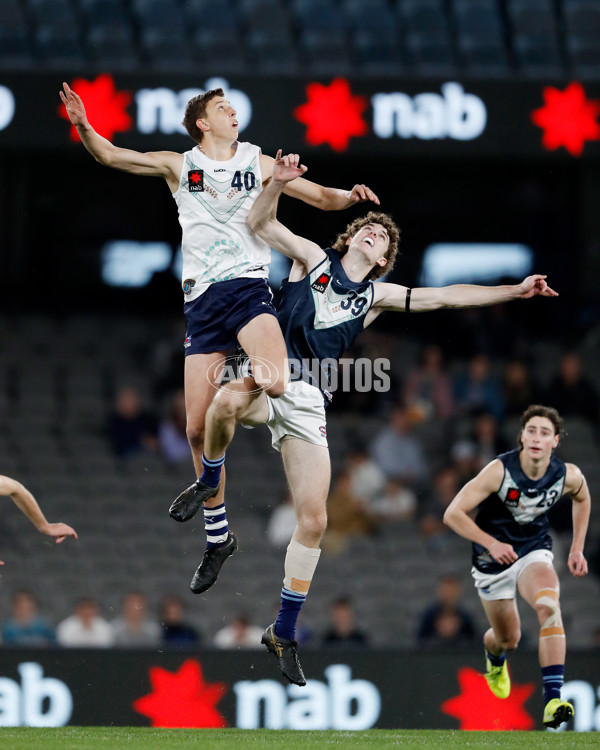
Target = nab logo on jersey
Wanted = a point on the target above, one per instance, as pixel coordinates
(512, 497)
(196, 180)
(320, 284)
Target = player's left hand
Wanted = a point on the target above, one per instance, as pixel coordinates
(60, 531)
(577, 564)
(534, 285)
(361, 193)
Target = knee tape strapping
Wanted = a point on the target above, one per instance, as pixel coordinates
(300, 565)
(553, 625)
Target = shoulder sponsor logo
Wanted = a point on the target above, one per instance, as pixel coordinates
(188, 285)
(512, 497)
(196, 180)
(320, 284)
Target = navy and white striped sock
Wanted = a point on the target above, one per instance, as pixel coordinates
(215, 523)
(291, 604)
(553, 677)
(211, 470)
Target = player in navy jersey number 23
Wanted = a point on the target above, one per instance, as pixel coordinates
(512, 549)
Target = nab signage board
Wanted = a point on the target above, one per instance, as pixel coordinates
(378, 117)
(346, 690)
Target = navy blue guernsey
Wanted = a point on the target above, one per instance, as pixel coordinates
(516, 514)
(320, 317)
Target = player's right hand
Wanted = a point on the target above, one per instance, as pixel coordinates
(73, 105)
(503, 553)
(287, 168)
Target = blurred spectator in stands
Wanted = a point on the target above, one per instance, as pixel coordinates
(282, 523)
(176, 632)
(172, 438)
(394, 503)
(133, 628)
(397, 452)
(477, 389)
(240, 633)
(445, 487)
(487, 438)
(445, 623)
(519, 388)
(131, 429)
(366, 478)
(25, 626)
(428, 389)
(347, 516)
(465, 460)
(85, 628)
(572, 393)
(342, 631)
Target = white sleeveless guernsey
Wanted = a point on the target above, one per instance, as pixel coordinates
(213, 199)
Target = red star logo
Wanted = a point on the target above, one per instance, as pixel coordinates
(332, 114)
(513, 494)
(182, 699)
(105, 107)
(195, 177)
(478, 709)
(567, 118)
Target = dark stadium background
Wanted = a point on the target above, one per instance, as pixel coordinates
(60, 323)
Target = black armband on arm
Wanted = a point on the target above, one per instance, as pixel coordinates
(580, 486)
(407, 301)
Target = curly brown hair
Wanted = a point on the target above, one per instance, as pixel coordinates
(373, 217)
(537, 410)
(195, 109)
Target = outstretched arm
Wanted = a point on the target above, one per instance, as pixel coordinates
(325, 198)
(470, 496)
(393, 296)
(24, 500)
(262, 217)
(165, 164)
(577, 487)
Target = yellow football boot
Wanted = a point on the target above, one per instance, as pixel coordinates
(497, 678)
(556, 712)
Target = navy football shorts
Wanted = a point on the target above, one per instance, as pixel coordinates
(214, 319)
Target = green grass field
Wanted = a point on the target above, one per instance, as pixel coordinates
(115, 738)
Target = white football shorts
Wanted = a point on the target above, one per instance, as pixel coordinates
(299, 413)
(504, 585)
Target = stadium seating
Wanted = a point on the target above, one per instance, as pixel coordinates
(484, 38)
(53, 406)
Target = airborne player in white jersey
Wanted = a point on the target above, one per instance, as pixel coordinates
(512, 549)
(225, 265)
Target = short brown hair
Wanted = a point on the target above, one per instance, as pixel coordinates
(196, 109)
(373, 217)
(537, 410)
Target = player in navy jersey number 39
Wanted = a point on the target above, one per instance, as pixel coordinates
(329, 298)
(512, 549)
